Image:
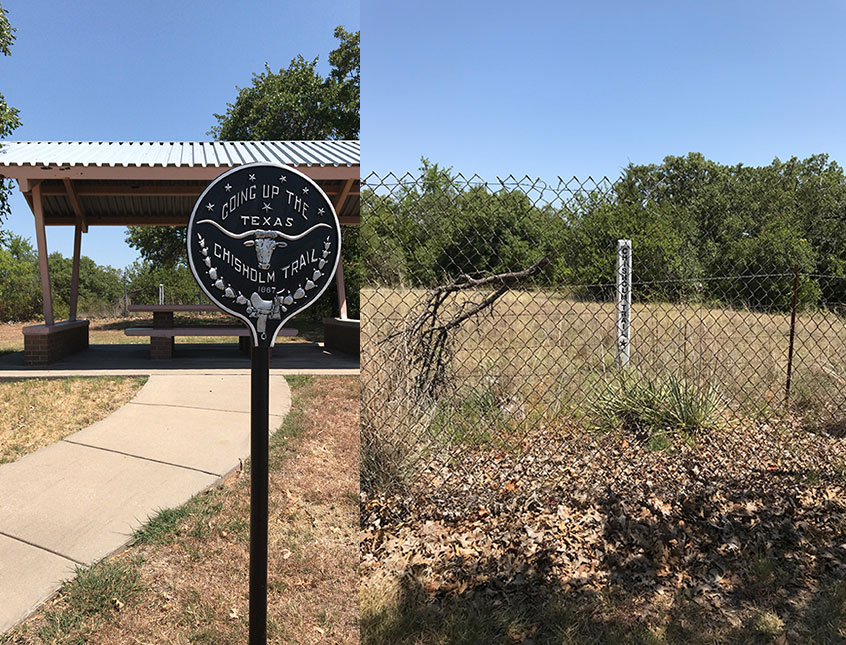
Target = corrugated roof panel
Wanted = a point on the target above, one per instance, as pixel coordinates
(241, 152)
(268, 153)
(56, 205)
(178, 153)
(227, 154)
(280, 153)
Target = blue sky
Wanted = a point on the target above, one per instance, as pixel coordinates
(537, 88)
(146, 70)
(554, 89)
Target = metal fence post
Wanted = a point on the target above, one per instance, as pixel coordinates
(624, 300)
(792, 335)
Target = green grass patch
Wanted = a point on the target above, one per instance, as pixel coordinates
(163, 528)
(99, 592)
(476, 415)
(294, 424)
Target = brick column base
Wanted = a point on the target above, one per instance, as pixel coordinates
(161, 347)
(46, 344)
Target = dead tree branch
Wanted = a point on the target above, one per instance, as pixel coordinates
(426, 343)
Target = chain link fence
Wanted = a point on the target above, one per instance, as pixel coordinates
(500, 355)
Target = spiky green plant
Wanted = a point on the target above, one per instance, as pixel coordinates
(654, 408)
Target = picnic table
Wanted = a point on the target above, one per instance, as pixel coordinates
(163, 332)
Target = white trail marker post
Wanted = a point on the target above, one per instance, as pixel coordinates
(624, 300)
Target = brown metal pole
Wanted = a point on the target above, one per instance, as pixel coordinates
(77, 249)
(792, 335)
(41, 242)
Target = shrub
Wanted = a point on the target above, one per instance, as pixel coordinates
(654, 408)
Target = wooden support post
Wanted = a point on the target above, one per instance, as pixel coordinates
(41, 242)
(81, 227)
(339, 274)
(342, 293)
(77, 249)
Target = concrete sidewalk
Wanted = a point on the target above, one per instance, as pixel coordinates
(78, 500)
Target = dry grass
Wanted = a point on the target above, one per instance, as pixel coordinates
(539, 360)
(544, 334)
(189, 567)
(36, 412)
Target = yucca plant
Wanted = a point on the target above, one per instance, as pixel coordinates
(688, 406)
(655, 408)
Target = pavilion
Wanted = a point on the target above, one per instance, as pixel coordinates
(149, 183)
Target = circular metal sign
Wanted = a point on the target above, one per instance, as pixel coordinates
(263, 243)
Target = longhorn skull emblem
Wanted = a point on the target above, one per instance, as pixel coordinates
(265, 242)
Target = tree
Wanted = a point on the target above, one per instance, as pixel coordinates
(100, 287)
(699, 229)
(20, 293)
(8, 115)
(345, 81)
(163, 246)
(297, 103)
(143, 279)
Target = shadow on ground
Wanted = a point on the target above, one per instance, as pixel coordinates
(722, 562)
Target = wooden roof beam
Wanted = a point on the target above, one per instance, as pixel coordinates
(150, 220)
(140, 190)
(73, 198)
(125, 190)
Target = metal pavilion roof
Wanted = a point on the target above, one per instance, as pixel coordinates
(178, 153)
(157, 182)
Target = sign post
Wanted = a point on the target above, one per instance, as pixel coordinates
(263, 244)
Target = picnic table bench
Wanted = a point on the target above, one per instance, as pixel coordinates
(163, 332)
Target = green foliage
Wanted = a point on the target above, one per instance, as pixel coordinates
(7, 33)
(9, 116)
(164, 246)
(100, 287)
(143, 278)
(437, 228)
(345, 83)
(20, 291)
(297, 103)
(700, 230)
